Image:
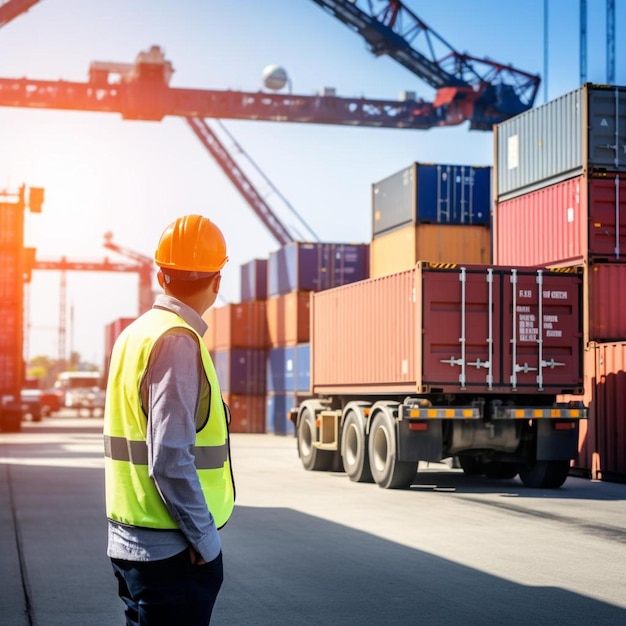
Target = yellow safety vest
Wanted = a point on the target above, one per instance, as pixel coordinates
(131, 495)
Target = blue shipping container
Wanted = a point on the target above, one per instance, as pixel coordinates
(277, 407)
(303, 367)
(426, 193)
(241, 370)
(289, 369)
(316, 266)
(254, 280)
(281, 369)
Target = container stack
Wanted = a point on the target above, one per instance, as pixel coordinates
(560, 201)
(237, 340)
(293, 273)
(430, 212)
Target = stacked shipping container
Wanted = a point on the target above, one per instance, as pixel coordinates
(293, 273)
(260, 346)
(430, 212)
(237, 340)
(11, 311)
(560, 200)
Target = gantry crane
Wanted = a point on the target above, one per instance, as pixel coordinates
(141, 91)
(480, 91)
(63, 265)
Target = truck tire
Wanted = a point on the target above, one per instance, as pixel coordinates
(354, 451)
(545, 474)
(313, 459)
(388, 472)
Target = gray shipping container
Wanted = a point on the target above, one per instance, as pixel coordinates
(581, 131)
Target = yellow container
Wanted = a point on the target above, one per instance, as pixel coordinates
(401, 249)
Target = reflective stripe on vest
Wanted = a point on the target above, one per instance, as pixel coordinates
(136, 452)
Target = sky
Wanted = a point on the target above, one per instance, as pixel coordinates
(104, 174)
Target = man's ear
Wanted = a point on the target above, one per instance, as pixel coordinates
(216, 283)
(160, 278)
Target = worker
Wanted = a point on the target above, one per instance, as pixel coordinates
(169, 482)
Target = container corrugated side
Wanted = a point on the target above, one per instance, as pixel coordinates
(277, 407)
(606, 301)
(11, 298)
(242, 325)
(449, 329)
(288, 318)
(241, 370)
(254, 280)
(400, 250)
(247, 412)
(609, 410)
(300, 266)
(583, 130)
(578, 218)
(602, 441)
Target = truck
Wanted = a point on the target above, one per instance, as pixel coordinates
(81, 390)
(443, 361)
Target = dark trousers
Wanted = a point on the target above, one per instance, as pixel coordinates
(168, 592)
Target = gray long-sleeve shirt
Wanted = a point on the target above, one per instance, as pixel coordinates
(172, 391)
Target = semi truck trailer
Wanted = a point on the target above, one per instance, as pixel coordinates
(445, 360)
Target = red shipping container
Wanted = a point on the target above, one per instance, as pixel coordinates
(247, 413)
(578, 218)
(449, 329)
(602, 444)
(606, 302)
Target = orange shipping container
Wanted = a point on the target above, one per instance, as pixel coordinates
(401, 249)
(247, 413)
(288, 318)
(602, 444)
(240, 325)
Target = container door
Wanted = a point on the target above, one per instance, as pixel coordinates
(607, 218)
(542, 330)
(458, 328)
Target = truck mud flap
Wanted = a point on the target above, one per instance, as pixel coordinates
(556, 440)
(419, 440)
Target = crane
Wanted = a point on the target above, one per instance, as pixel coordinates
(63, 265)
(143, 267)
(141, 91)
(481, 91)
(11, 9)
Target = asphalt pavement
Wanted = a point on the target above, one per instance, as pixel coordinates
(311, 548)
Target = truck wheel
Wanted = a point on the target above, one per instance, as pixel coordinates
(545, 474)
(354, 450)
(313, 459)
(388, 472)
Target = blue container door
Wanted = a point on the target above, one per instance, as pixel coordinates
(453, 194)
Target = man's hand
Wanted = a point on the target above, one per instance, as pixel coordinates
(195, 557)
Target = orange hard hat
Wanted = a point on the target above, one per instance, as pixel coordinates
(192, 246)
